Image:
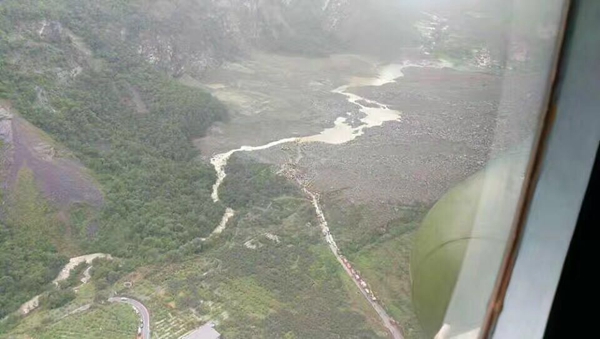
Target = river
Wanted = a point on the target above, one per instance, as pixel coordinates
(375, 114)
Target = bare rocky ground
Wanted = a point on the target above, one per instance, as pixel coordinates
(60, 176)
(452, 123)
(271, 97)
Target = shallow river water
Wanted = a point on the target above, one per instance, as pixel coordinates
(376, 114)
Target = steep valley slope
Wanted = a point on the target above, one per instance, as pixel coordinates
(111, 111)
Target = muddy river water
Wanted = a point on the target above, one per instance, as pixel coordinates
(376, 114)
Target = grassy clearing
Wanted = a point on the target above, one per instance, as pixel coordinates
(250, 298)
(42, 318)
(362, 305)
(80, 319)
(113, 321)
(172, 311)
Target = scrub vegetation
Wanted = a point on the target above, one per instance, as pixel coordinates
(28, 258)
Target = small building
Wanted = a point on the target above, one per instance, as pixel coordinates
(206, 331)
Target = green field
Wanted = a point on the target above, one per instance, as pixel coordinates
(115, 321)
(81, 318)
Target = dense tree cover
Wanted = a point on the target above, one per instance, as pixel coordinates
(105, 273)
(279, 286)
(157, 195)
(108, 271)
(274, 276)
(57, 298)
(28, 260)
(252, 184)
(156, 192)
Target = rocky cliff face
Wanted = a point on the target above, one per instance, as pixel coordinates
(189, 36)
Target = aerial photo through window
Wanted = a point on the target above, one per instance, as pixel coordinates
(262, 168)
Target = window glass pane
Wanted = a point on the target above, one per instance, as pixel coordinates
(461, 242)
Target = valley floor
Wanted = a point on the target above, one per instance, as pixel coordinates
(268, 272)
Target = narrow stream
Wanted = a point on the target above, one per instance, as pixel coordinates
(376, 114)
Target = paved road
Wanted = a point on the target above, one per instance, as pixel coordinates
(385, 318)
(142, 310)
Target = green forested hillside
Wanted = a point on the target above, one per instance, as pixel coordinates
(28, 259)
(155, 189)
(76, 82)
(253, 184)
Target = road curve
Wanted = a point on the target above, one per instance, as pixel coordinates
(142, 310)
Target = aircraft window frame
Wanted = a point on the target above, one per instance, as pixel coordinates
(557, 180)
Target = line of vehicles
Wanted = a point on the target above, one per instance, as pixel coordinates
(289, 170)
(356, 276)
(140, 329)
(141, 326)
